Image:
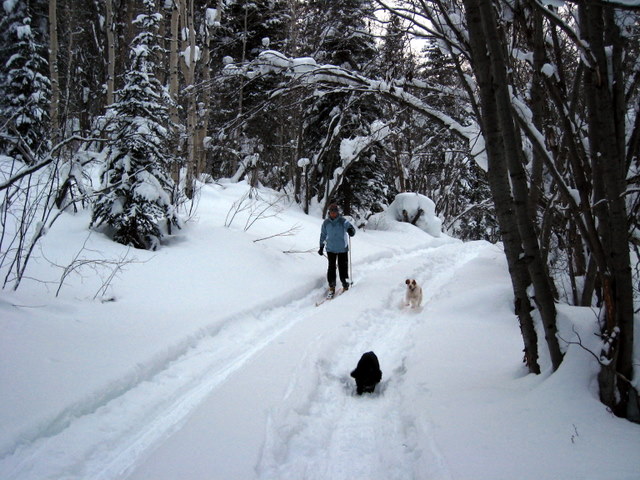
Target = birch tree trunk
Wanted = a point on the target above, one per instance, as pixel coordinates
(53, 71)
(189, 67)
(174, 82)
(173, 60)
(203, 123)
(111, 52)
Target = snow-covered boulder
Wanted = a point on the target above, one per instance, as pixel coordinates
(408, 208)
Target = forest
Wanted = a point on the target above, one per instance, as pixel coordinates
(518, 118)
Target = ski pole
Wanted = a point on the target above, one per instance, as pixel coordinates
(350, 269)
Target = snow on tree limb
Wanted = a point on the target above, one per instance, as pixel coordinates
(306, 71)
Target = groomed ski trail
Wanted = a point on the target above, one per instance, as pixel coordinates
(339, 435)
(97, 444)
(106, 437)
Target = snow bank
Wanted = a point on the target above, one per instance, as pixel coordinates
(405, 208)
(208, 360)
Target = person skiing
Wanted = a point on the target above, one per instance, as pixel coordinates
(334, 233)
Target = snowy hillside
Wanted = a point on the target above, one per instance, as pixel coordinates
(208, 359)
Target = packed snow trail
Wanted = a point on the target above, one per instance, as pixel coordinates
(108, 441)
(336, 434)
(104, 442)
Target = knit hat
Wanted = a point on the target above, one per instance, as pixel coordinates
(334, 208)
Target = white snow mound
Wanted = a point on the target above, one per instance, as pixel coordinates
(408, 206)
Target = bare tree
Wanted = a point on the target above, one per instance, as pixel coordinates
(111, 51)
(577, 137)
(53, 70)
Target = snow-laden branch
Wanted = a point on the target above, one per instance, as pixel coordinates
(587, 55)
(572, 198)
(306, 71)
(35, 166)
(524, 115)
(351, 148)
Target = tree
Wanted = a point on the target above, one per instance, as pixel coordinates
(560, 164)
(137, 188)
(445, 168)
(606, 101)
(340, 35)
(54, 105)
(25, 88)
(251, 145)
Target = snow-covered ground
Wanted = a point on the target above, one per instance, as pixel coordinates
(208, 359)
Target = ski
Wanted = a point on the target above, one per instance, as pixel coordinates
(339, 291)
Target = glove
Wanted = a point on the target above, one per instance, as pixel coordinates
(321, 251)
(351, 231)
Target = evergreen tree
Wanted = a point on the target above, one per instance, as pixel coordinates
(396, 61)
(24, 84)
(341, 36)
(243, 108)
(341, 33)
(445, 172)
(366, 189)
(463, 198)
(138, 190)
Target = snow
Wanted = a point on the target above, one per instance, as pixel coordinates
(415, 205)
(304, 162)
(9, 5)
(212, 18)
(187, 55)
(271, 60)
(24, 32)
(350, 148)
(548, 70)
(303, 65)
(207, 359)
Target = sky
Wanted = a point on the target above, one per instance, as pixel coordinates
(208, 358)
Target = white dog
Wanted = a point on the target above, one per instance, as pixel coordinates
(413, 297)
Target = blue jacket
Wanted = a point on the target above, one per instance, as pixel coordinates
(334, 233)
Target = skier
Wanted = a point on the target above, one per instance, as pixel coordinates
(334, 233)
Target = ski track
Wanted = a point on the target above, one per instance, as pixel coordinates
(106, 441)
(339, 435)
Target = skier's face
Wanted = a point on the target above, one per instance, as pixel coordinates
(333, 213)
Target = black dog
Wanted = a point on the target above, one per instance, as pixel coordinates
(367, 373)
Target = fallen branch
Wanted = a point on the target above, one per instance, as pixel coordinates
(112, 266)
(311, 250)
(288, 233)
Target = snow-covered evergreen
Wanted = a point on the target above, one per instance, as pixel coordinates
(25, 88)
(138, 198)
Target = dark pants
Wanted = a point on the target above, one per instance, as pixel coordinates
(343, 268)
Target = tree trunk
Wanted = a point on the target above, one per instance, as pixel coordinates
(174, 71)
(188, 72)
(111, 52)
(203, 123)
(173, 61)
(537, 108)
(53, 71)
(499, 184)
(512, 153)
(604, 84)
